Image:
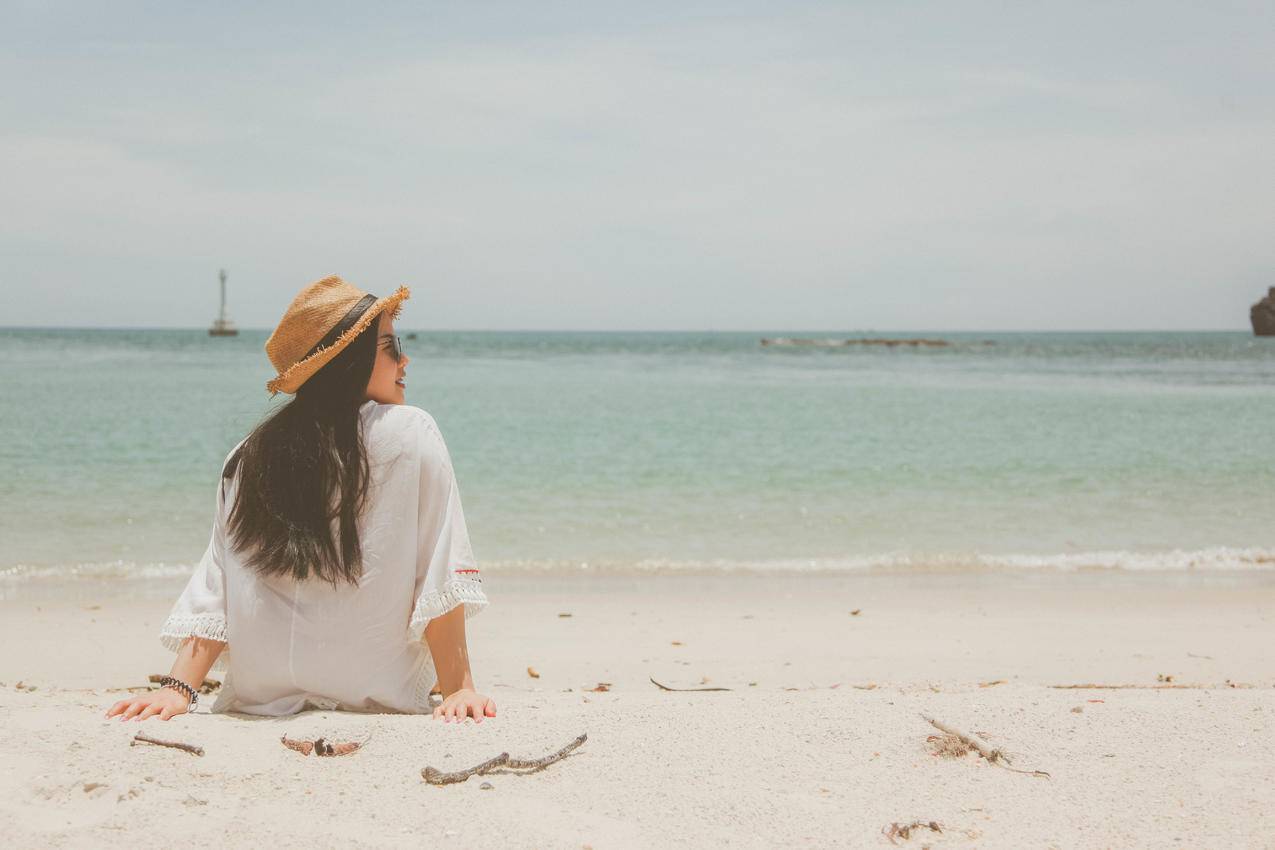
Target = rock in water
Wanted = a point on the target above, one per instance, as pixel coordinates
(1263, 315)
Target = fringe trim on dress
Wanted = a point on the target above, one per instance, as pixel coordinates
(457, 591)
(210, 626)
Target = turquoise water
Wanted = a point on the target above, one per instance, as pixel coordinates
(640, 450)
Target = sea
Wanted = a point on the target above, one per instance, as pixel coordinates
(631, 452)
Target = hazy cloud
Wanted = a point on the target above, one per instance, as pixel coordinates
(691, 166)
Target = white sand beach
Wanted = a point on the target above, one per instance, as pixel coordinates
(819, 742)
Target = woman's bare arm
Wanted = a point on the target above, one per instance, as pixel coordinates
(194, 660)
(445, 637)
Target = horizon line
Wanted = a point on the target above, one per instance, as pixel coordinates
(771, 331)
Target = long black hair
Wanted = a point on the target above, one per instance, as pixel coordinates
(304, 474)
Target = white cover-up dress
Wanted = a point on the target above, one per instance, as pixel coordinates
(293, 645)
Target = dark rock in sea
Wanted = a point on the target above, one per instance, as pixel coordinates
(1263, 315)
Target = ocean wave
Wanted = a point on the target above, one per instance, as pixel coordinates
(105, 570)
(1218, 559)
(1178, 560)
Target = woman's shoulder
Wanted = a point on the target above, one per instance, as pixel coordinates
(400, 428)
(401, 417)
(227, 469)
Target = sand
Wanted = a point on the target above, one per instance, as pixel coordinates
(818, 743)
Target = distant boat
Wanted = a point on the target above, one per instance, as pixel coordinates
(222, 326)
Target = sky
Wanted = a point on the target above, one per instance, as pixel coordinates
(642, 166)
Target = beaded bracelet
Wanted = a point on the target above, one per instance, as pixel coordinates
(182, 687)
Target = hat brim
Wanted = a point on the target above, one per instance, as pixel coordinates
(291, 379)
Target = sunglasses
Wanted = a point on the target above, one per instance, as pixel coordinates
(395, 347)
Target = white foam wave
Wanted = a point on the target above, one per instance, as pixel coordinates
(1217, 559)
(1178, 560)
(105, 570)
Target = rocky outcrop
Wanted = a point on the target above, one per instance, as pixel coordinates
(1263, 315)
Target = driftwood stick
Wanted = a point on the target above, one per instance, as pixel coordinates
(667, 688)
(1090, 686)
(985, 750)
(177, 745)
(532, 765)
(434, 776)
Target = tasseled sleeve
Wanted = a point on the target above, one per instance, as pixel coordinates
(446, 573)
(200, 611)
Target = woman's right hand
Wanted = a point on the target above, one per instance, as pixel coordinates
(165, 702)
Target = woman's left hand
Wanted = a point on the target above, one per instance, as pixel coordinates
(465, 703)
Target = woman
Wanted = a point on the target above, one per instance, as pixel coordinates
(339, 548)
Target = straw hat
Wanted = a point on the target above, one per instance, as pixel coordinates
(320, 321)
